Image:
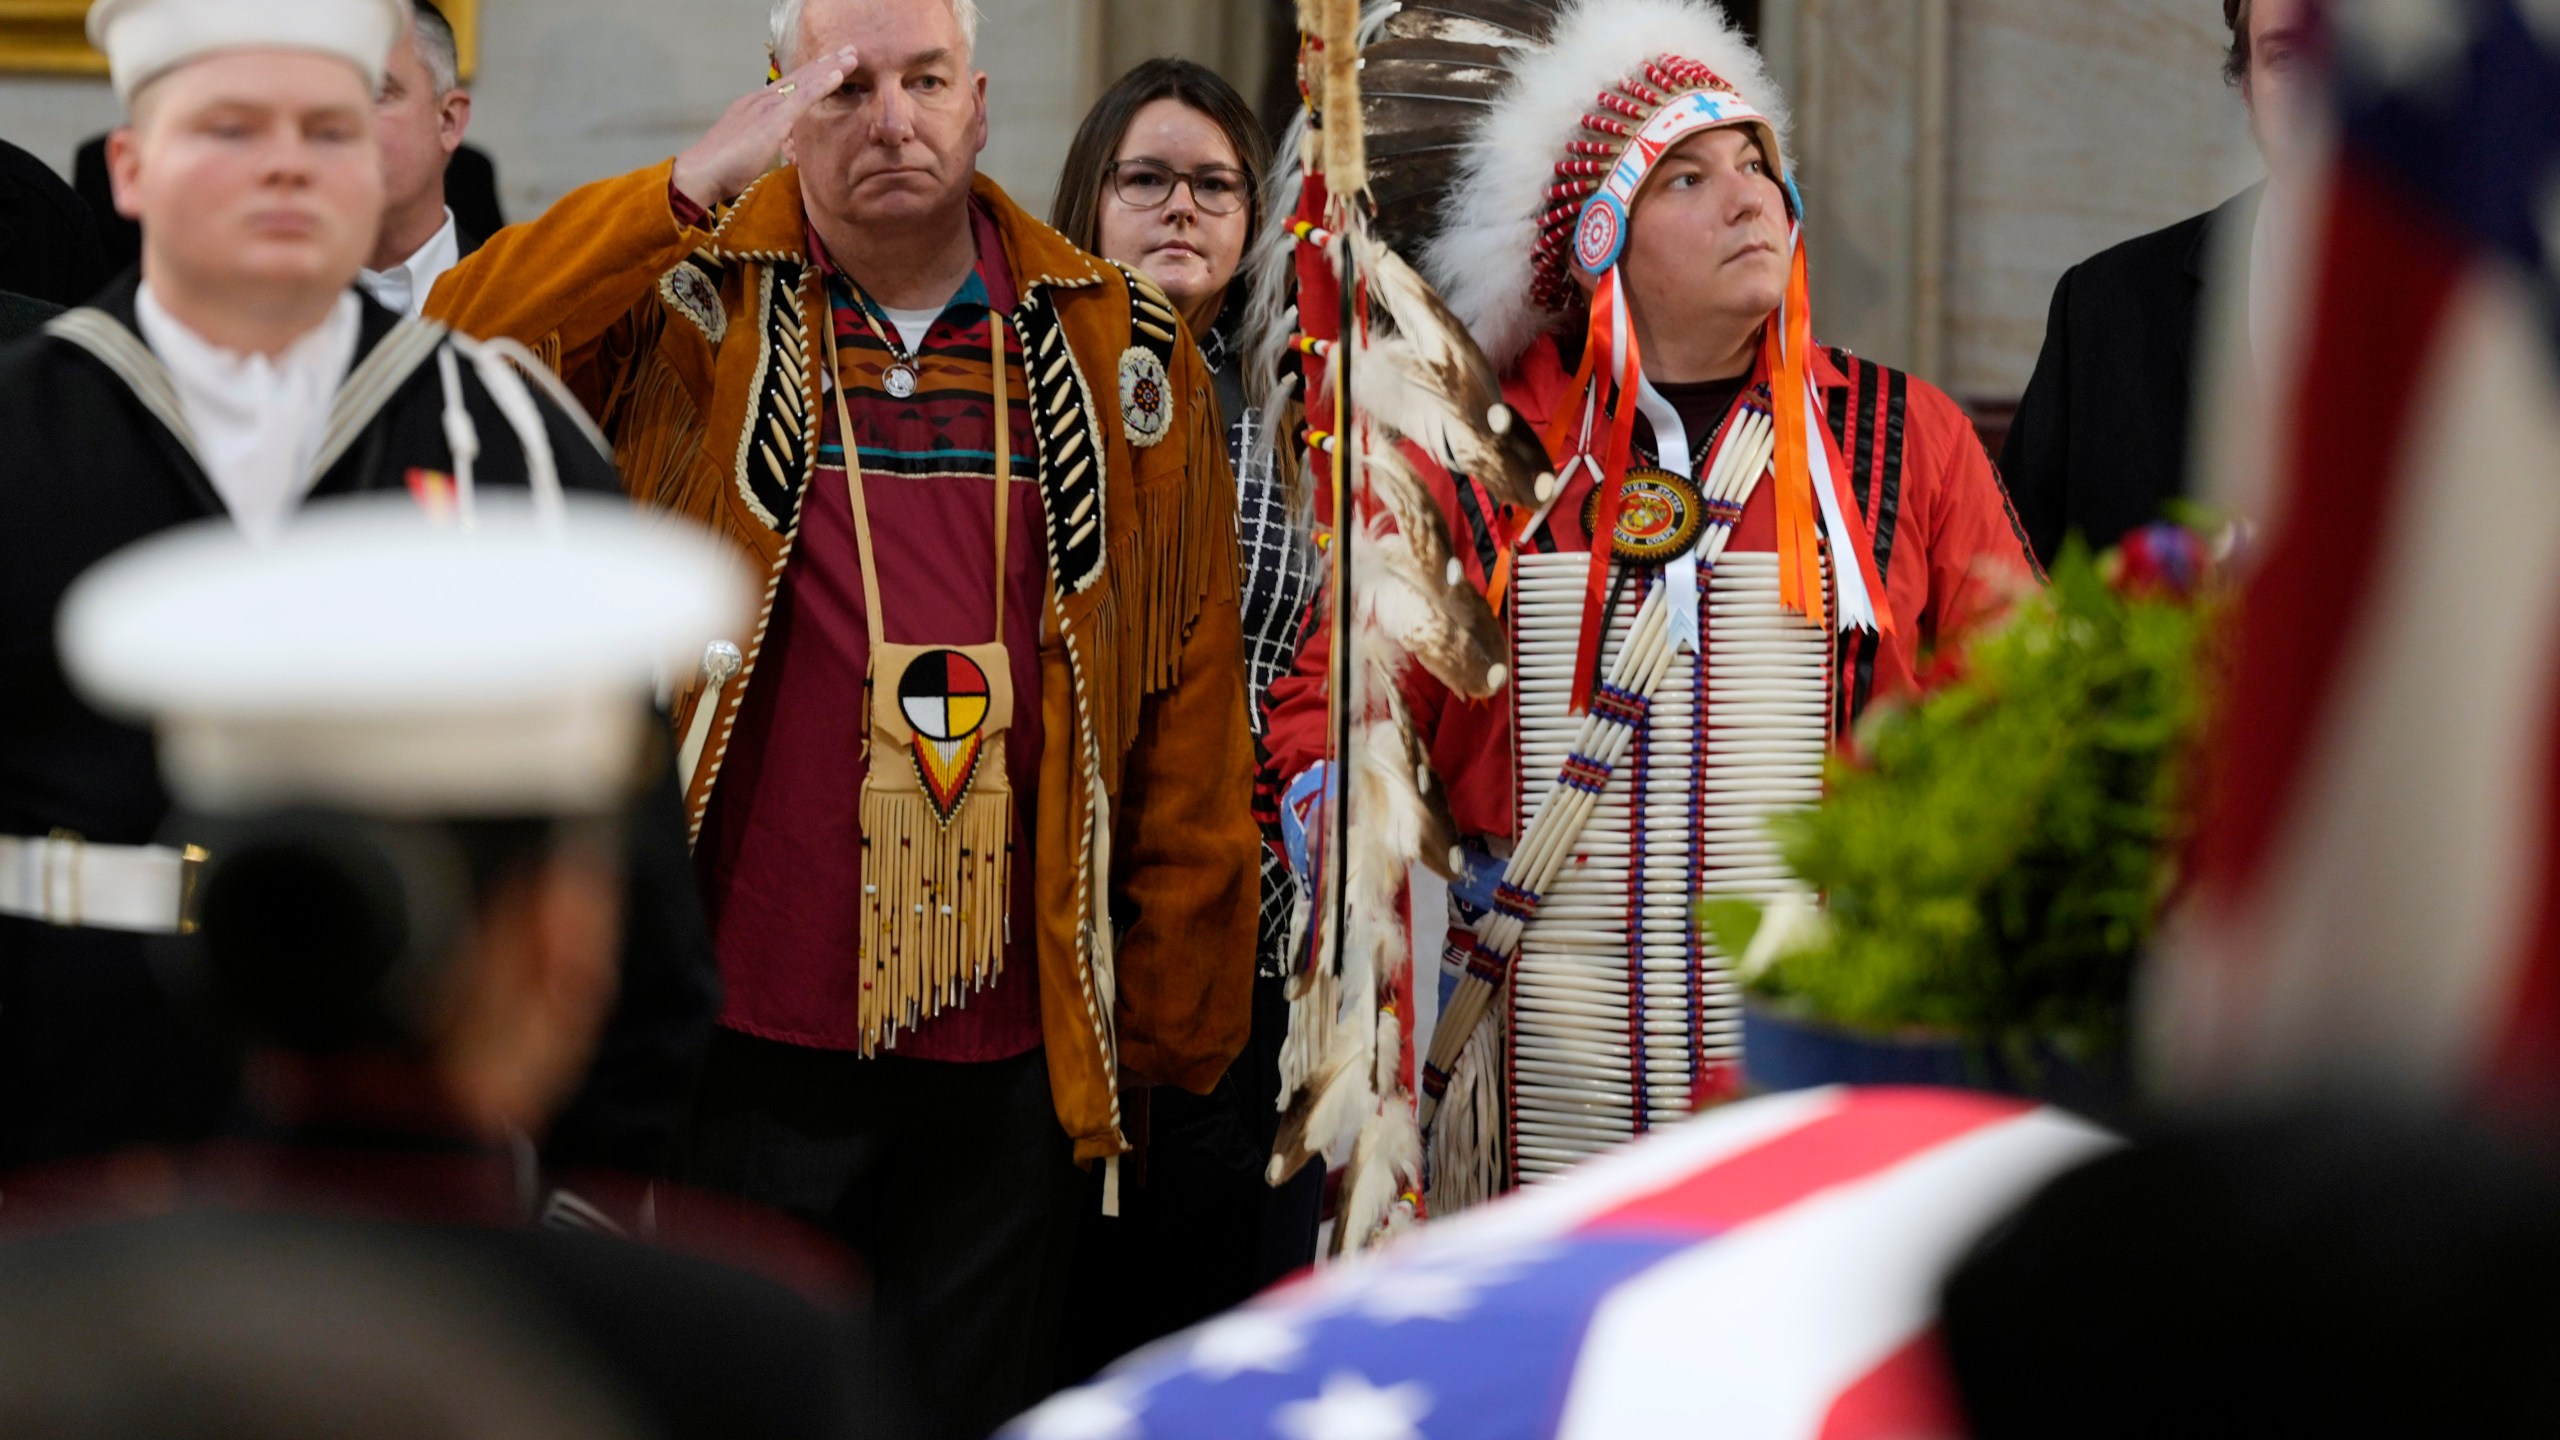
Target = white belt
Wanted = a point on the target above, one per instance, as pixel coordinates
(64, 880)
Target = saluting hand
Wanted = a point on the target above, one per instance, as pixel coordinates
(720, 166)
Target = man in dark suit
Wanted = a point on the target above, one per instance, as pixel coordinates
(420, 119)
(119, 234)
(49, 247)
(2100, 443)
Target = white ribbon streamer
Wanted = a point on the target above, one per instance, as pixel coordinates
(1849, 570)
(1671, 446)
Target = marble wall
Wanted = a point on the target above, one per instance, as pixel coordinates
(1957, 154)
(1952, 176)
(51, 115)
(572, 90)
(2077, 126)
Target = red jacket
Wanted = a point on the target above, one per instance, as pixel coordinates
(1946, 540)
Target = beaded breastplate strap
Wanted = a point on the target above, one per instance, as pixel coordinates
(1613, 1013)
(1621, 1014)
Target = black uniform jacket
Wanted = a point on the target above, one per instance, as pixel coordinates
(697, 1334)
(2101, 439)
(95, 1053)
(49, 245)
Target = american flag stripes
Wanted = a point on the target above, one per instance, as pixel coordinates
(2376, 891)
(1766, 1272)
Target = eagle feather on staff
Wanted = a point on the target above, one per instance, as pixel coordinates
(1418, 379)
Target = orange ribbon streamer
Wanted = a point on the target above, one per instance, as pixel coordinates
(1500, 585)
(1799, 543)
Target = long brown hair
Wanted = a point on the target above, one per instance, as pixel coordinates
(1077, 212)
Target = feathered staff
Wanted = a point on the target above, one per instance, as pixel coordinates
(1390, 374)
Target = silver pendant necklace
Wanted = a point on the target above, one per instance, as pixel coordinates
(900, 378)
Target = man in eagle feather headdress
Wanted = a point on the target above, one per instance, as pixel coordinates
(1602, 194)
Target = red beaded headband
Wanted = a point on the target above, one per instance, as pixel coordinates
(1620, 113)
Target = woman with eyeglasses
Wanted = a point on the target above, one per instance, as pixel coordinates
(1162, 177)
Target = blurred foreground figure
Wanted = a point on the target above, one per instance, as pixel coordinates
(2372, 925)
(2375, 898)
(2357, 1272)
(237, 375)
(411, 903)
(973, 789)
(240, 1328)
(2102, 438)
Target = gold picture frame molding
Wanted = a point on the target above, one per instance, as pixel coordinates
(50, 37)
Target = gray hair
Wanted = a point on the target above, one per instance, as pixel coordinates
(437, 49)
(785, 39)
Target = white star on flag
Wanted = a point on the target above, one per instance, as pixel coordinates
(1096, 1412)
(2407, 42)
(1428, 1295)
(1247, 1341)
(1350, 1408)
(1446, 1289)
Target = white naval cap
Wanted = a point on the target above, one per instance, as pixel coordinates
(377, 662)
(145, 39)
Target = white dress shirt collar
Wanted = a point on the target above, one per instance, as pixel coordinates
(403, 288)
(258, 423)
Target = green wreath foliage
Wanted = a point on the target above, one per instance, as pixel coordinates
(1995, 860)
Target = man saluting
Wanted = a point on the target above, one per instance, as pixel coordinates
(236, 376)
(972, 793)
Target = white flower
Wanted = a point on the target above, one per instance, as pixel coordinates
(1790, 925)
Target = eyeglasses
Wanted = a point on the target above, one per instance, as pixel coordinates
(1147, 184)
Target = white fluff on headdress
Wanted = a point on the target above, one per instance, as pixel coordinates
(1482, 261)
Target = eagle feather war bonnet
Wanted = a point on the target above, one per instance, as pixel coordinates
(1543, 185)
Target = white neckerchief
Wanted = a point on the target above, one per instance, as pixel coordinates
(1671, 449)
(403, 288)
(257, 423)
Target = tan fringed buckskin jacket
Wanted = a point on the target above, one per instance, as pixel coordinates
(695, 350)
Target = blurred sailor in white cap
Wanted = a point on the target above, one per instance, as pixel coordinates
(409, 744)
(240, 374)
